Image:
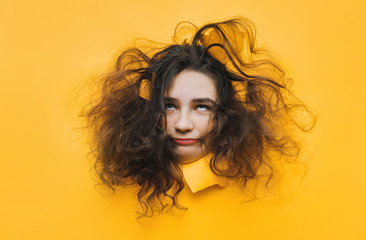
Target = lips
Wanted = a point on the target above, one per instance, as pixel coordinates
(185, 141)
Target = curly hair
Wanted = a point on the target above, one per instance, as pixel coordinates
(254, 112)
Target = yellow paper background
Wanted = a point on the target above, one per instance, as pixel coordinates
(48, 47)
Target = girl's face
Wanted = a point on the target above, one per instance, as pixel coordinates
(188, 106)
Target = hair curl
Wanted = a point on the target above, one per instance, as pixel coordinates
(130, 142)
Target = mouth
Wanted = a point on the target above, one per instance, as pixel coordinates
(185, 141)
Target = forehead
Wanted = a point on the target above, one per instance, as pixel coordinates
(193, 84)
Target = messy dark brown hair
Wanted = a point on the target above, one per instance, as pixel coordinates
(254, 113)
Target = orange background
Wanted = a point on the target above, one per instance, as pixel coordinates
(48, 48)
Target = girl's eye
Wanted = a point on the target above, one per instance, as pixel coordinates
(169, 107)
(203, 108)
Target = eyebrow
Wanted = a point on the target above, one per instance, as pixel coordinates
(195, 100)
(203, 100)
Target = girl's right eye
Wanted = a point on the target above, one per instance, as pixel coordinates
(169, 107)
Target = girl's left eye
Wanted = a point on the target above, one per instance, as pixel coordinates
(203, 108)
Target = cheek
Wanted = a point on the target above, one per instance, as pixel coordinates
(210, 125)
(169, 127)
(205, 125)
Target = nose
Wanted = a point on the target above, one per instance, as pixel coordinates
(184, 122)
